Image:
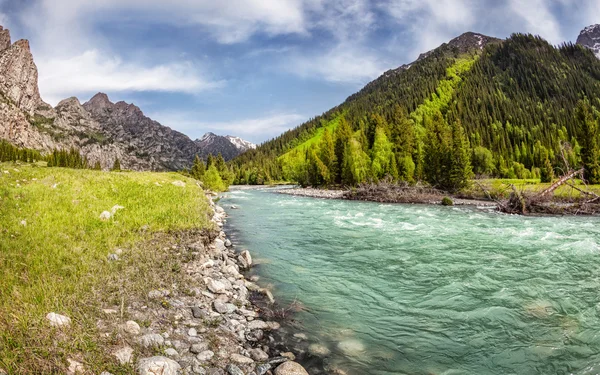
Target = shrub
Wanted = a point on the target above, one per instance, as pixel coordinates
(446, 201)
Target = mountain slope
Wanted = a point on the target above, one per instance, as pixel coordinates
(514, 100)
(228, 146)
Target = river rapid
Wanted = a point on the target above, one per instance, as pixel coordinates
(418, 289)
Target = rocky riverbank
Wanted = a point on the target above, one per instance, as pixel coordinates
(207, 326)
(314, 193)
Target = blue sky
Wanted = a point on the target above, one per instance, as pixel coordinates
(254, 68)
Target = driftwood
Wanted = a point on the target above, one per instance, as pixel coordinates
(561, 181)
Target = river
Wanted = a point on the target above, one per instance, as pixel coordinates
(418, 289)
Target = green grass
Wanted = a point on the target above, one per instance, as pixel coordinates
(53, 256)
(315, 139)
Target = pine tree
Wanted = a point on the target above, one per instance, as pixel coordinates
(437, 145)
(546, 171)
(381, 155)
(328, 157)
(343, 134)
(198, 168)
(460, 163)
(116, 166)
(210, 161)
(587, 122)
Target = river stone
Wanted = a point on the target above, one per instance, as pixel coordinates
(241, 359)
(151, 340)
(290, 368)
(233, 370)
(228, 243)
(216, 286)
(192, 332)
(158, 365)
(124, 355)
(178, 183)
(57, 320)
(257, 324)
(352, 347)
(105, 216)
(171, 352)
(220, 307)
(199, 347)
(132, 327)
(245, 259)
(220, 245)
(258, 355)
(262, 369)
(205, 356)
(318, 350)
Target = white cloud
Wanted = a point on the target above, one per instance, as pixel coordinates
(344, 63)
(91, 72)
(538, 19)
(254, 129)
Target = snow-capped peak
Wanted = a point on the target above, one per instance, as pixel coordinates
(590, 38)
(241, 144)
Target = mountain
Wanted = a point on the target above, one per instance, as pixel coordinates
(590, 38)
(228, 146)
(511, 104)
(101, 130)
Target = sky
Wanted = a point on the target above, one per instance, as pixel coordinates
(254, 68)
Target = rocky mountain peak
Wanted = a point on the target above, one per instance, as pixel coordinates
(4, 39)
(590, 38)
(228, 146)
(99, 101)
(19, 75)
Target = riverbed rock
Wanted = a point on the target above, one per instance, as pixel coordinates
(233, 370)
(228, 243)
(216, 286)
(57, 320)
(178, 183)
(205, 356)
(199, 348)
(158, 365)
(352, 347)
(124, 355)
(318, 350)
(245, 259)
(258, 355)
(258, 324)
(171, 352)
(151, 340)
(241, 359)
(290, 368)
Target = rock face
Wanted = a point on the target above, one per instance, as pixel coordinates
(590, 38)
(103, 131)
(228, 146)
(156, 147)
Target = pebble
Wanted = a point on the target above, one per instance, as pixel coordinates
(57, 320)
(290, 368)
(240, 359)
(258, 355)
(171, 352)
(233, 370)
(216, 286)
(197, 312)
(205, 356)
(158, 365)
(124, 355)
(318, 350)
(151, 340)
(257, 324)
(132, 327)
(192, 332)
(199, 348)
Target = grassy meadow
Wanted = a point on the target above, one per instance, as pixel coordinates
(500, 188)
(54, 256)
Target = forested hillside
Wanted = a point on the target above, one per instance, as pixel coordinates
(474, 106)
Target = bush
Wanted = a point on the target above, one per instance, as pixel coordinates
(212, 180)
(447, 202)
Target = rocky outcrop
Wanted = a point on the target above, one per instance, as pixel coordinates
(155, 146)
(590, 38)
(228, 146)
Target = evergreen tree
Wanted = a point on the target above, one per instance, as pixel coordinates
(437, 150)
(356, 163)
(198, 168)
(116, 166)
(460, 163)
(343, 134)
(546, 171)
(328, 157)
(382, 155)
(587, 122)
(210, 161)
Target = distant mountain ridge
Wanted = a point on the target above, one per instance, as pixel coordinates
(103, 131)
(228, 146)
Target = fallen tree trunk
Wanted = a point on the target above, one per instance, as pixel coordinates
(559, 182)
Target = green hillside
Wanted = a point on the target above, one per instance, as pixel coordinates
(505, 110)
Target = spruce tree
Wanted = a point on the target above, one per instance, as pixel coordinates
(460, 162)
(198, 168)
(343, 134)
(381, 155)
(437, 145)
(116, 166)
(587, 123)
(328, 157)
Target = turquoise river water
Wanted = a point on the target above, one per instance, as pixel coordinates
(417, 289)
